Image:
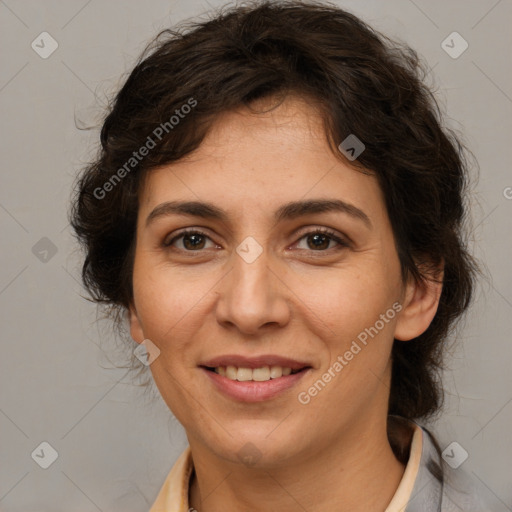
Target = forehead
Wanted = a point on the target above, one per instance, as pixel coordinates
(259, 160)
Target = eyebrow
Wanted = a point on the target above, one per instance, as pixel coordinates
(288, 211)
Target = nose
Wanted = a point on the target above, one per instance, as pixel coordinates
(253, 297)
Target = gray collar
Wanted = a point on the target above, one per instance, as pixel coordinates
(427, 492)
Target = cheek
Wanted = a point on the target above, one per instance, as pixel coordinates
(170, 304)
(348, 301)
(355, 321)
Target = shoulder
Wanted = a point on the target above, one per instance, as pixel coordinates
(460, 490)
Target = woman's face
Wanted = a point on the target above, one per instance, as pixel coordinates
(262, 288)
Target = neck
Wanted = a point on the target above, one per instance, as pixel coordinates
(356, 472)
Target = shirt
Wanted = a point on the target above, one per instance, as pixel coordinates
(418, 491)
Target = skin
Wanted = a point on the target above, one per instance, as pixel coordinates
(294, 300)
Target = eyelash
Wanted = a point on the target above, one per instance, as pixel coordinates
(320, 231)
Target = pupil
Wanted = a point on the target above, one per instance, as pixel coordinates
(195, 244)
(317, 237)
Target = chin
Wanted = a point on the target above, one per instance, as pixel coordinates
(258, 451)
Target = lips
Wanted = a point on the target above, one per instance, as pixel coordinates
(251, 383)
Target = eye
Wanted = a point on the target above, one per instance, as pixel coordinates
(320, 239)
(192, 240)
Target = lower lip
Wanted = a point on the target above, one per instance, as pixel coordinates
(252, 391)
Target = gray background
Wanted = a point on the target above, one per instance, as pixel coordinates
(56, 381)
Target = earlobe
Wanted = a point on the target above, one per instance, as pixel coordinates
(136, 331)
(419, 307)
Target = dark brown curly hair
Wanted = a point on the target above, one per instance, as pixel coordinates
(360, 81)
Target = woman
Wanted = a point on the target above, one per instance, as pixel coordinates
(279, 211)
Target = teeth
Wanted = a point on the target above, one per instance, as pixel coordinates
(275, 372)
(257, 374)
(231, 372)
(261, 374)
(244, 374)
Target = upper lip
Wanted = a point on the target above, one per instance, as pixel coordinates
(254, 362)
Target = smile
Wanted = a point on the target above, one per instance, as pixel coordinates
(262, 374)
(254, 379)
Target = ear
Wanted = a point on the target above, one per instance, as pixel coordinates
(419, 306)
(136, 330)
